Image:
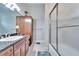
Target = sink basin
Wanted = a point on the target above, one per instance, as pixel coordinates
(12, 38)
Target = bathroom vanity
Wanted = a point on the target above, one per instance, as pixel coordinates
(18, 47)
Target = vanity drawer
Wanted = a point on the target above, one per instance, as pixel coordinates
(7, 52)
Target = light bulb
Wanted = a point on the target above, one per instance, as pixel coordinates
(17, 27)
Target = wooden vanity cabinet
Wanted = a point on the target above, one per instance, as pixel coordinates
(7, 52)
(19, 48)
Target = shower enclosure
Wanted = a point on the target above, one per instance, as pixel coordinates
(64, 29)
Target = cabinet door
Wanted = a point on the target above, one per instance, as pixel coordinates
(23, 51)
(69, 41)
(17, 52)
(27, 46)
(7, 52)
(68, 14)
(17, 48)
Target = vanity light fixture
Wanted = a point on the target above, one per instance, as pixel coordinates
(28, 20)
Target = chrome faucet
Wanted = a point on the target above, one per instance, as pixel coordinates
(6, 35)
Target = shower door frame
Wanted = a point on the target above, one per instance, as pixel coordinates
(55, 7)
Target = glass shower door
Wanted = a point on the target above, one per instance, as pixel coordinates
(53, 39)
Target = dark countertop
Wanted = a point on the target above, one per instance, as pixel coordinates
(6, 44)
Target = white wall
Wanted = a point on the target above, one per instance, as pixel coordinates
(48, 8)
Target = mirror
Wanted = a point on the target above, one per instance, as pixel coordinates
(7, 20)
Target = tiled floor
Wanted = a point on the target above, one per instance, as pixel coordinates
(38, 50)
(43, 53)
